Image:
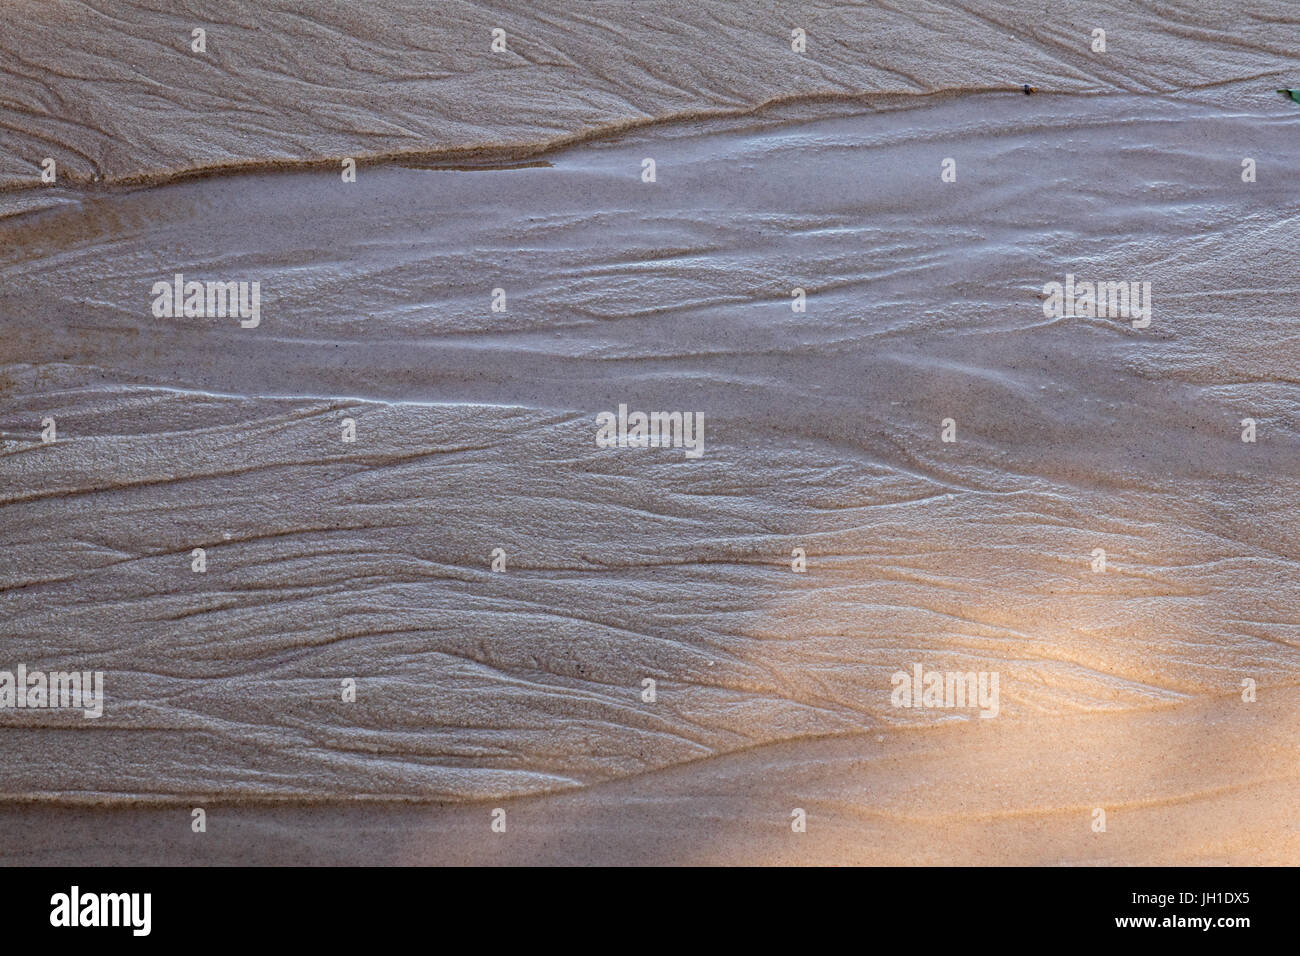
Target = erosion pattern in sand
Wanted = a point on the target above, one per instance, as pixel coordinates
(328, 560)
(111, 89)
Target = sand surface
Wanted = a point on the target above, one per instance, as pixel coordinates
(328, 560)
(113, 90)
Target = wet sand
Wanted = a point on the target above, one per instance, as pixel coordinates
(327, 560)
(112, 89)
(1206, 783)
